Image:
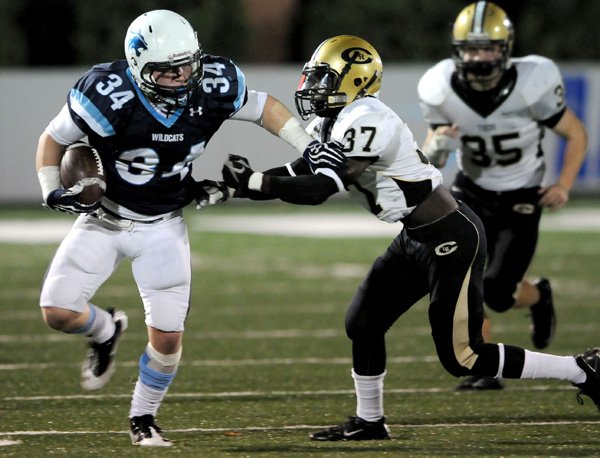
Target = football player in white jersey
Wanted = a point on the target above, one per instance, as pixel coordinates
(440, 250)
(492, 110)
(149, 117)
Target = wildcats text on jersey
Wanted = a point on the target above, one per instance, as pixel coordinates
(167, 137)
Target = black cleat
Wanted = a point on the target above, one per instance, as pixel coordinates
(99, 365)
(543, 318)
(480, 382)
(355, 429)
(144, 432)
(589, 361)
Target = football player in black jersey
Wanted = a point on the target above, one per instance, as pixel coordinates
(493, 110)
(148, 116)
(439, 252)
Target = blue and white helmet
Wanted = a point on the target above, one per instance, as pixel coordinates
(159, 40)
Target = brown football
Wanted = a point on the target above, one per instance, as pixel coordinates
(81, 165)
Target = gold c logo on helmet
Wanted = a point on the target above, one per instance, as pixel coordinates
(357, 56)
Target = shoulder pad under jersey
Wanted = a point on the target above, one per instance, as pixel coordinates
(366, 127)
(224, 84)
(434, 86)
(101, 96)
(537, 76)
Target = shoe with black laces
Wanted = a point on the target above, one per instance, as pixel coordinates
(355, 429)
(589, 361)
(99, 365)
(479, 383)
(543, 318)
(144, 432)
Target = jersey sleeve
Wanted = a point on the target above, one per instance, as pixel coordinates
(99, 99)
(224, 85)
(433, 89)
(544, 90)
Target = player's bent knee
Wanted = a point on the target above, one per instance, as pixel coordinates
(59, 319)
(498, 296)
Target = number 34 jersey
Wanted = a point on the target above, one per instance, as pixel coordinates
(500, 144)
(147, 154)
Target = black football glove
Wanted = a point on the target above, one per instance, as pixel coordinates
(236, 173)
(325, 156)
(63, 200)
(209, 192)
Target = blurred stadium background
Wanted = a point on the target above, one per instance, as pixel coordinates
(266, 357)
(46, 45)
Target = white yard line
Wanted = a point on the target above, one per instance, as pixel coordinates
(300, 225)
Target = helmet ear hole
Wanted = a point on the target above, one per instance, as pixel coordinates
(358, 81)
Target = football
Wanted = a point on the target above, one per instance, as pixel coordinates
(81, 165)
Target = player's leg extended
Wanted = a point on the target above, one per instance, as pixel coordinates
(163, 274)
(462, 350)
(84, 260)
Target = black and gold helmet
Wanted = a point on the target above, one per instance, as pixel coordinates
(482, 24)
(341, 70)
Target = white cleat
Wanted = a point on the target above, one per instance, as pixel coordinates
(144, 432)
(99, 365)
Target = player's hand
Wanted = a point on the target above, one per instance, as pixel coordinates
(553, 197)
(325, 156)
(210, 192)
(444, 140)
(63, 200)
(236, 173)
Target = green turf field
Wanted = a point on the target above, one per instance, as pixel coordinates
(266, 360)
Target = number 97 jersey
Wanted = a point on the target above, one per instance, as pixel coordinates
(500, 139)
(147, 152)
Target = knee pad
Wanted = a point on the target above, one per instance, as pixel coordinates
(157, 370)
(498, 295)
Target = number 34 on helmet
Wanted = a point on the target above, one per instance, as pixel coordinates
(341, 70)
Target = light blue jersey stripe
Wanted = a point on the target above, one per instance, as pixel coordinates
(239, 101)
(83, 106)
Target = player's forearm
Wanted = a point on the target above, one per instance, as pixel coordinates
(574, 155)
(278, 120)
(48, 153)
(300, 190)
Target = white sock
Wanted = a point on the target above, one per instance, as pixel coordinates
(99, 327)
(541, 365)
(157, 371)
(369, 396)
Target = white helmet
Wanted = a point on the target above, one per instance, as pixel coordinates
(159, 40)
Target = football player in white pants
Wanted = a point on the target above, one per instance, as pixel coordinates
(492, 110)
(149, 117)
(439, 252)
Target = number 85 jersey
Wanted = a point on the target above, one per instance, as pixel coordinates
(500, 130)
(146, 151)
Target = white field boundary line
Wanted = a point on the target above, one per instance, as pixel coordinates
(332, 225)
(230, 362)
(250, 334)
(310, 427)
(273, 394)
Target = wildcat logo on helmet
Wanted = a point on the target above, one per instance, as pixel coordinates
(357, 56)
(138, 44)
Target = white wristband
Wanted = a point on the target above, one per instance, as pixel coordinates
(49, 178)
(255, 181)
(293, 133)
